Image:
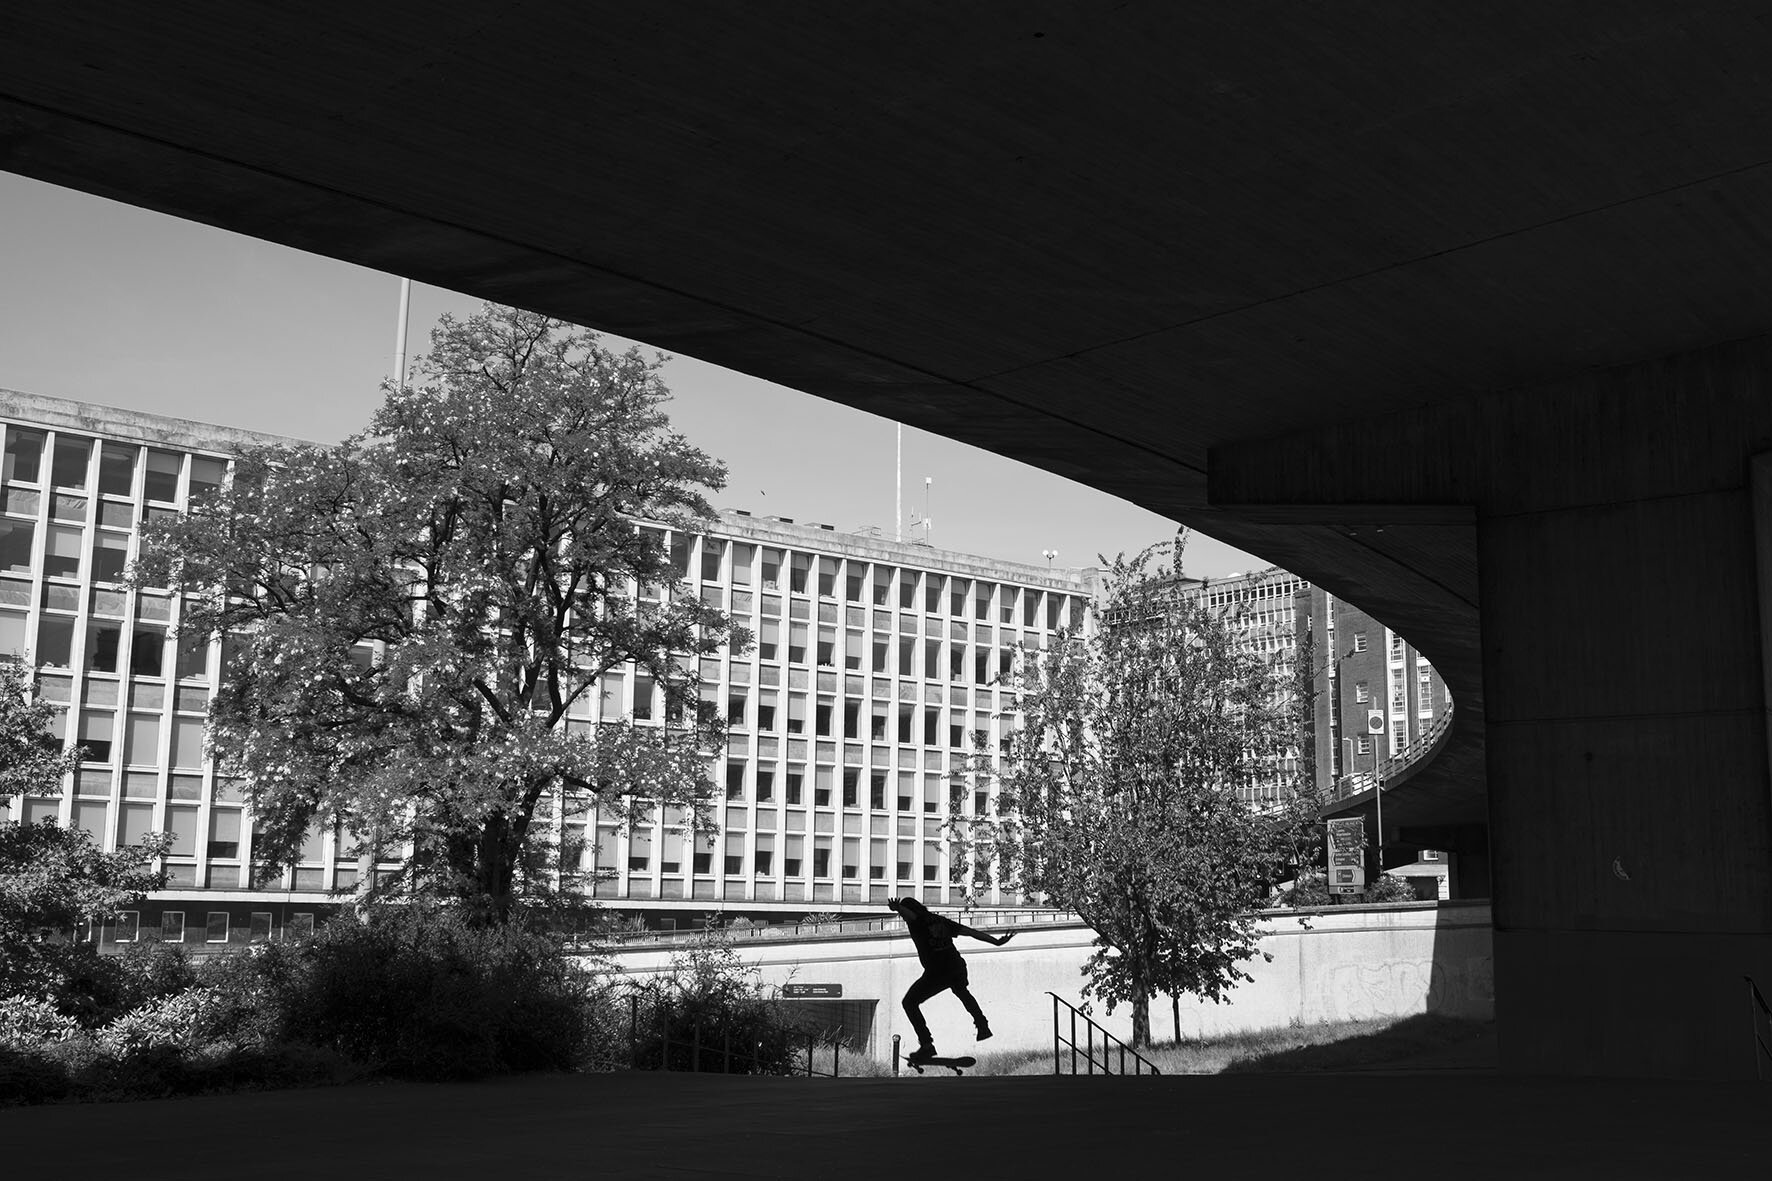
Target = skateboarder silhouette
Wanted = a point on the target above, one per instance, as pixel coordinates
(943, 968)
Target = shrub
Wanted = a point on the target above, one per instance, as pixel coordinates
(423, 995)
(712, 997)
(182, 1022)
(30, 1023)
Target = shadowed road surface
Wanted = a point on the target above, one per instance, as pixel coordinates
(675, 1125)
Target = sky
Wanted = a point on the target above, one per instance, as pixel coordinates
(102, 302)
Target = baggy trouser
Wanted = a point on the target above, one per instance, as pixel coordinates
(934, 980)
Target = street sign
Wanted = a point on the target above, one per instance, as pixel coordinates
(811, 991)
(1346, 840)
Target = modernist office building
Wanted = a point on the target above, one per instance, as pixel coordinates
(1374, 695)
(874, 676)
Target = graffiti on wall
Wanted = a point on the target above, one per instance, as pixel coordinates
(1398, 988)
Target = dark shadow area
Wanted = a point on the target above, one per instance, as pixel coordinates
(1428, 1041)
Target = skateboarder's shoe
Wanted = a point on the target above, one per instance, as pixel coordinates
(984, 1031)
(921, 1054)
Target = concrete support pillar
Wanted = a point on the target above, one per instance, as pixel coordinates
(1627, 748)
(1623, 561)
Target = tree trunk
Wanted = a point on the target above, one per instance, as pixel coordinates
(1175, 1007)
(1141, 1017)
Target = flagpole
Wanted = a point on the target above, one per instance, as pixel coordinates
(400, 336)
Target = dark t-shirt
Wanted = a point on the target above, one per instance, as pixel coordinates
(934, 939)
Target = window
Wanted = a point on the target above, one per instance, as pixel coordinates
(703, 858)
(128, 925)
(216, 927)
(822, 720)
(224, 835)
(643, 704)
(110, 555)
(24, 455)
(162, 478)
(793, 856)
(1362, 691)
(640, 850)
(206, 476)
(16, 538)
(769, 639)
(851, 786)
(796, 785)
(61, 555)
(877, 790)
(172, 926)
(1363, 744)
(821, 858)
(97, 731)
(72, 459)
(821, 786)
(1359, 641)
(827, 578)
(765, 785)
(710, 559)
(300, 926)
(260, 930)
(736, 709)
(147, 652)
(800, 573)
(735, 781)
(734, 854)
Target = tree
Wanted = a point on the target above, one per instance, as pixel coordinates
(409, 617)
(50, 877)
(1119, 796)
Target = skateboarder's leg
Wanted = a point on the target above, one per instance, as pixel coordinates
(925, 986)
(962, 990)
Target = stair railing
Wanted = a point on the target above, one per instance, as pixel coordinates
(1092, 1033)
(1761, 1013)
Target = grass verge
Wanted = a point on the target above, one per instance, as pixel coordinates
(1420, 1042)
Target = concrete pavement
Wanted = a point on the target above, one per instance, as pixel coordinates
(675, 1125)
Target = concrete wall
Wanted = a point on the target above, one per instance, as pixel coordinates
(1344, 963)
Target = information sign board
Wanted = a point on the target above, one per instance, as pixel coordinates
(811, 991)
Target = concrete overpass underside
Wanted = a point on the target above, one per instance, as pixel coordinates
(1461, 312)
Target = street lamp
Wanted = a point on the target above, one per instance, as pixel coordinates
(1049, 554)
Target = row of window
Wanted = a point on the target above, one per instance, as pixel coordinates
(742, 565)
(217, 927)
(119, 466)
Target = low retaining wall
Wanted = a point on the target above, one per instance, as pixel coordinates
(1339, 964)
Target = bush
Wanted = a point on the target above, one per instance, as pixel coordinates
(28, 1024)
(712, 997)
(421, 994)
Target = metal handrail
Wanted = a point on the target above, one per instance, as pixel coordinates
(842, 928)
(1140, 1064)
(1761, 1014)
(726, 1053)
(1350, 785)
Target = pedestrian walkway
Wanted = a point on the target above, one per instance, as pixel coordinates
(678, 1126)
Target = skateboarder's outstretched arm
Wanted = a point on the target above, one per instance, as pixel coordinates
(997, 940)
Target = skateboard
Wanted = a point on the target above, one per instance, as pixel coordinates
(953, 1064)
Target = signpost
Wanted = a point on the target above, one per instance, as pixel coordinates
(1346, 841)
(802, 992)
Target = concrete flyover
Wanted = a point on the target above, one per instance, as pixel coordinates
(1460, 311)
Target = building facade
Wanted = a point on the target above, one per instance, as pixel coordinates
(876, 672)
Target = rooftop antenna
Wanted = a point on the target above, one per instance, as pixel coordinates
(924, 519)
(898, 484)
